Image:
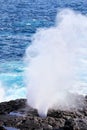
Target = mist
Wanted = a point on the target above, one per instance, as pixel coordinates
(56, 60)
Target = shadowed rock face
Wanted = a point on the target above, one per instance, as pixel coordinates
(18, 115)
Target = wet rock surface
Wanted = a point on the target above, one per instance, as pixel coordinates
(17, 115)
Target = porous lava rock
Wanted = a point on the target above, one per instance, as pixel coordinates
(19, 115)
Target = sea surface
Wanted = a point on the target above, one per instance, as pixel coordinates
(19, 20)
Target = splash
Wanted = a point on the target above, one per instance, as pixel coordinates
(55, 62)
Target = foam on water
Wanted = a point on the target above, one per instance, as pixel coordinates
(11, 81)
(2, 93)
(56, 62)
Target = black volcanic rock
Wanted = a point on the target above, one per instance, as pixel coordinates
(2, 128)
(17, 114)
(6, 107)
(75, 124)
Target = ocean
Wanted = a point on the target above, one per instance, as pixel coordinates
(19, 20)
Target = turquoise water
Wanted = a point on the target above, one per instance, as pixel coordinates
(19, 20)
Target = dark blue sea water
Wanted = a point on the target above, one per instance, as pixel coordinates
(19, 20)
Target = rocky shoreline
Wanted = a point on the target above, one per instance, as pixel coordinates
(16, 115)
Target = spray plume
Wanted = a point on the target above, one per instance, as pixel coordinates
(54, 61)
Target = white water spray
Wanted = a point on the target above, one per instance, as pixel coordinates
(56, 60)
